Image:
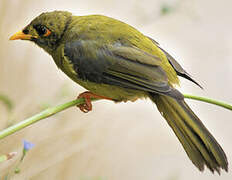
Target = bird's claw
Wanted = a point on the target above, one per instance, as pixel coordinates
(87, 106)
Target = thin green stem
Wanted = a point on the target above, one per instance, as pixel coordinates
(53, 110)
(210, 101)
(42, 115)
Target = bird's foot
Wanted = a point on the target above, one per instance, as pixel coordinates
(87, 106)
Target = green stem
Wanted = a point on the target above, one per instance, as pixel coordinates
(53, 110)
(210, 101)
(42, 115)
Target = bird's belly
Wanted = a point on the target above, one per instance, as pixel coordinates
(115, 93)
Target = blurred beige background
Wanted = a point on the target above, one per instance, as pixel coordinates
(127, 141)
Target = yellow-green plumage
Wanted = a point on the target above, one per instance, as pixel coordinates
(108, 30)
(114, 60)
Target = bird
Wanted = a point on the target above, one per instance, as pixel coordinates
(115, 61)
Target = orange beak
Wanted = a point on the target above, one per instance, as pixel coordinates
(21, 35)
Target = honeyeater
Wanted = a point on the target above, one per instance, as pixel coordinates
(114, 61)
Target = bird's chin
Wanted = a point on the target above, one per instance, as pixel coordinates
(38, 42)
(35, 40)
(42, 45)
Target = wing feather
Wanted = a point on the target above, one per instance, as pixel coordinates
(127, 67)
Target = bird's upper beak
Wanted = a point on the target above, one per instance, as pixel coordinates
(21, 35)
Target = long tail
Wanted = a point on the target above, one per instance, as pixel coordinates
(200, 146)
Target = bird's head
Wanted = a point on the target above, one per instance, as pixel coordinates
(46, 30)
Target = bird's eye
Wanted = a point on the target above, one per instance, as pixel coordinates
(42, 30)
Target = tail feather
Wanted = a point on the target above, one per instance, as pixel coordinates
(200, 146)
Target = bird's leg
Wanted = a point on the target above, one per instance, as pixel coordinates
(87, 106)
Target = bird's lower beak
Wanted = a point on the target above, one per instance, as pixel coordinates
(21, 35)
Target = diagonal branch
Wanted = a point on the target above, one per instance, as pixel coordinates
(53, 110)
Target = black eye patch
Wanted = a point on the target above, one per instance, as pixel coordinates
(41, 29)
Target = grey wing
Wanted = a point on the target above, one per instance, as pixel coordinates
(178, 68)
(119, 65)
